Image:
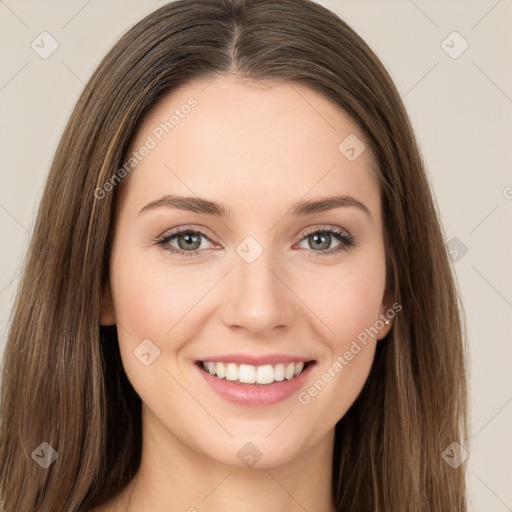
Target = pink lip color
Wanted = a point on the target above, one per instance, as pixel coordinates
(254, 395)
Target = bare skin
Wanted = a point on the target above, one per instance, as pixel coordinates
(258, 149)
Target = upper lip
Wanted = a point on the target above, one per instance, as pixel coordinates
(253, 360)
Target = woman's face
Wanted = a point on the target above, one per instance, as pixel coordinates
(257, 280)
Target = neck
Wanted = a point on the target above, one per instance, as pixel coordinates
(174, 477)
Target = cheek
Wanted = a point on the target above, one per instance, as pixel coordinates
(349, 301)
(152, 303)
(350, 309)
(151, 297)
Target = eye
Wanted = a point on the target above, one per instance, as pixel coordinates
(320, 240)
(189, 242)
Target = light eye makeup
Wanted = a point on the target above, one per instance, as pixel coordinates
(315, 236)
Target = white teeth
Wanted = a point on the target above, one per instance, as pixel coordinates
(279, 372)
(249, 374)
(221, 370)
(231, 371)
(264, 374)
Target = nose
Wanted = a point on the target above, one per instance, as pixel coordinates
(257, 298)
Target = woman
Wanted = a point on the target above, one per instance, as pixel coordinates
(305, 352)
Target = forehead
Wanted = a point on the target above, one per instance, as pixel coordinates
(233, 139)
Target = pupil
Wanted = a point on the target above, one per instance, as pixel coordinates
(326, 237)
(190, 238)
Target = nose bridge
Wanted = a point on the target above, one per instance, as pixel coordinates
(257, 298)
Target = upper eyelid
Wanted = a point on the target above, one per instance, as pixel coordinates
(314, 229)
(177, 231)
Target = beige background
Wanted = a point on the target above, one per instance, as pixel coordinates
(461, 109)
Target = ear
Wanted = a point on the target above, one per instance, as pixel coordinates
(386, 307)
(107, 314)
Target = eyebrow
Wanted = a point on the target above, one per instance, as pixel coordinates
(302, 208)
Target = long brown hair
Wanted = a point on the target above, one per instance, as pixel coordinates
(63, 381)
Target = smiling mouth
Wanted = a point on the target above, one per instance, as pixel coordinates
(263, 375)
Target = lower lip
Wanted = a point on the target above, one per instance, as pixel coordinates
(255, 395)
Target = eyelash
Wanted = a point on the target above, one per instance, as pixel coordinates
(347, 241)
